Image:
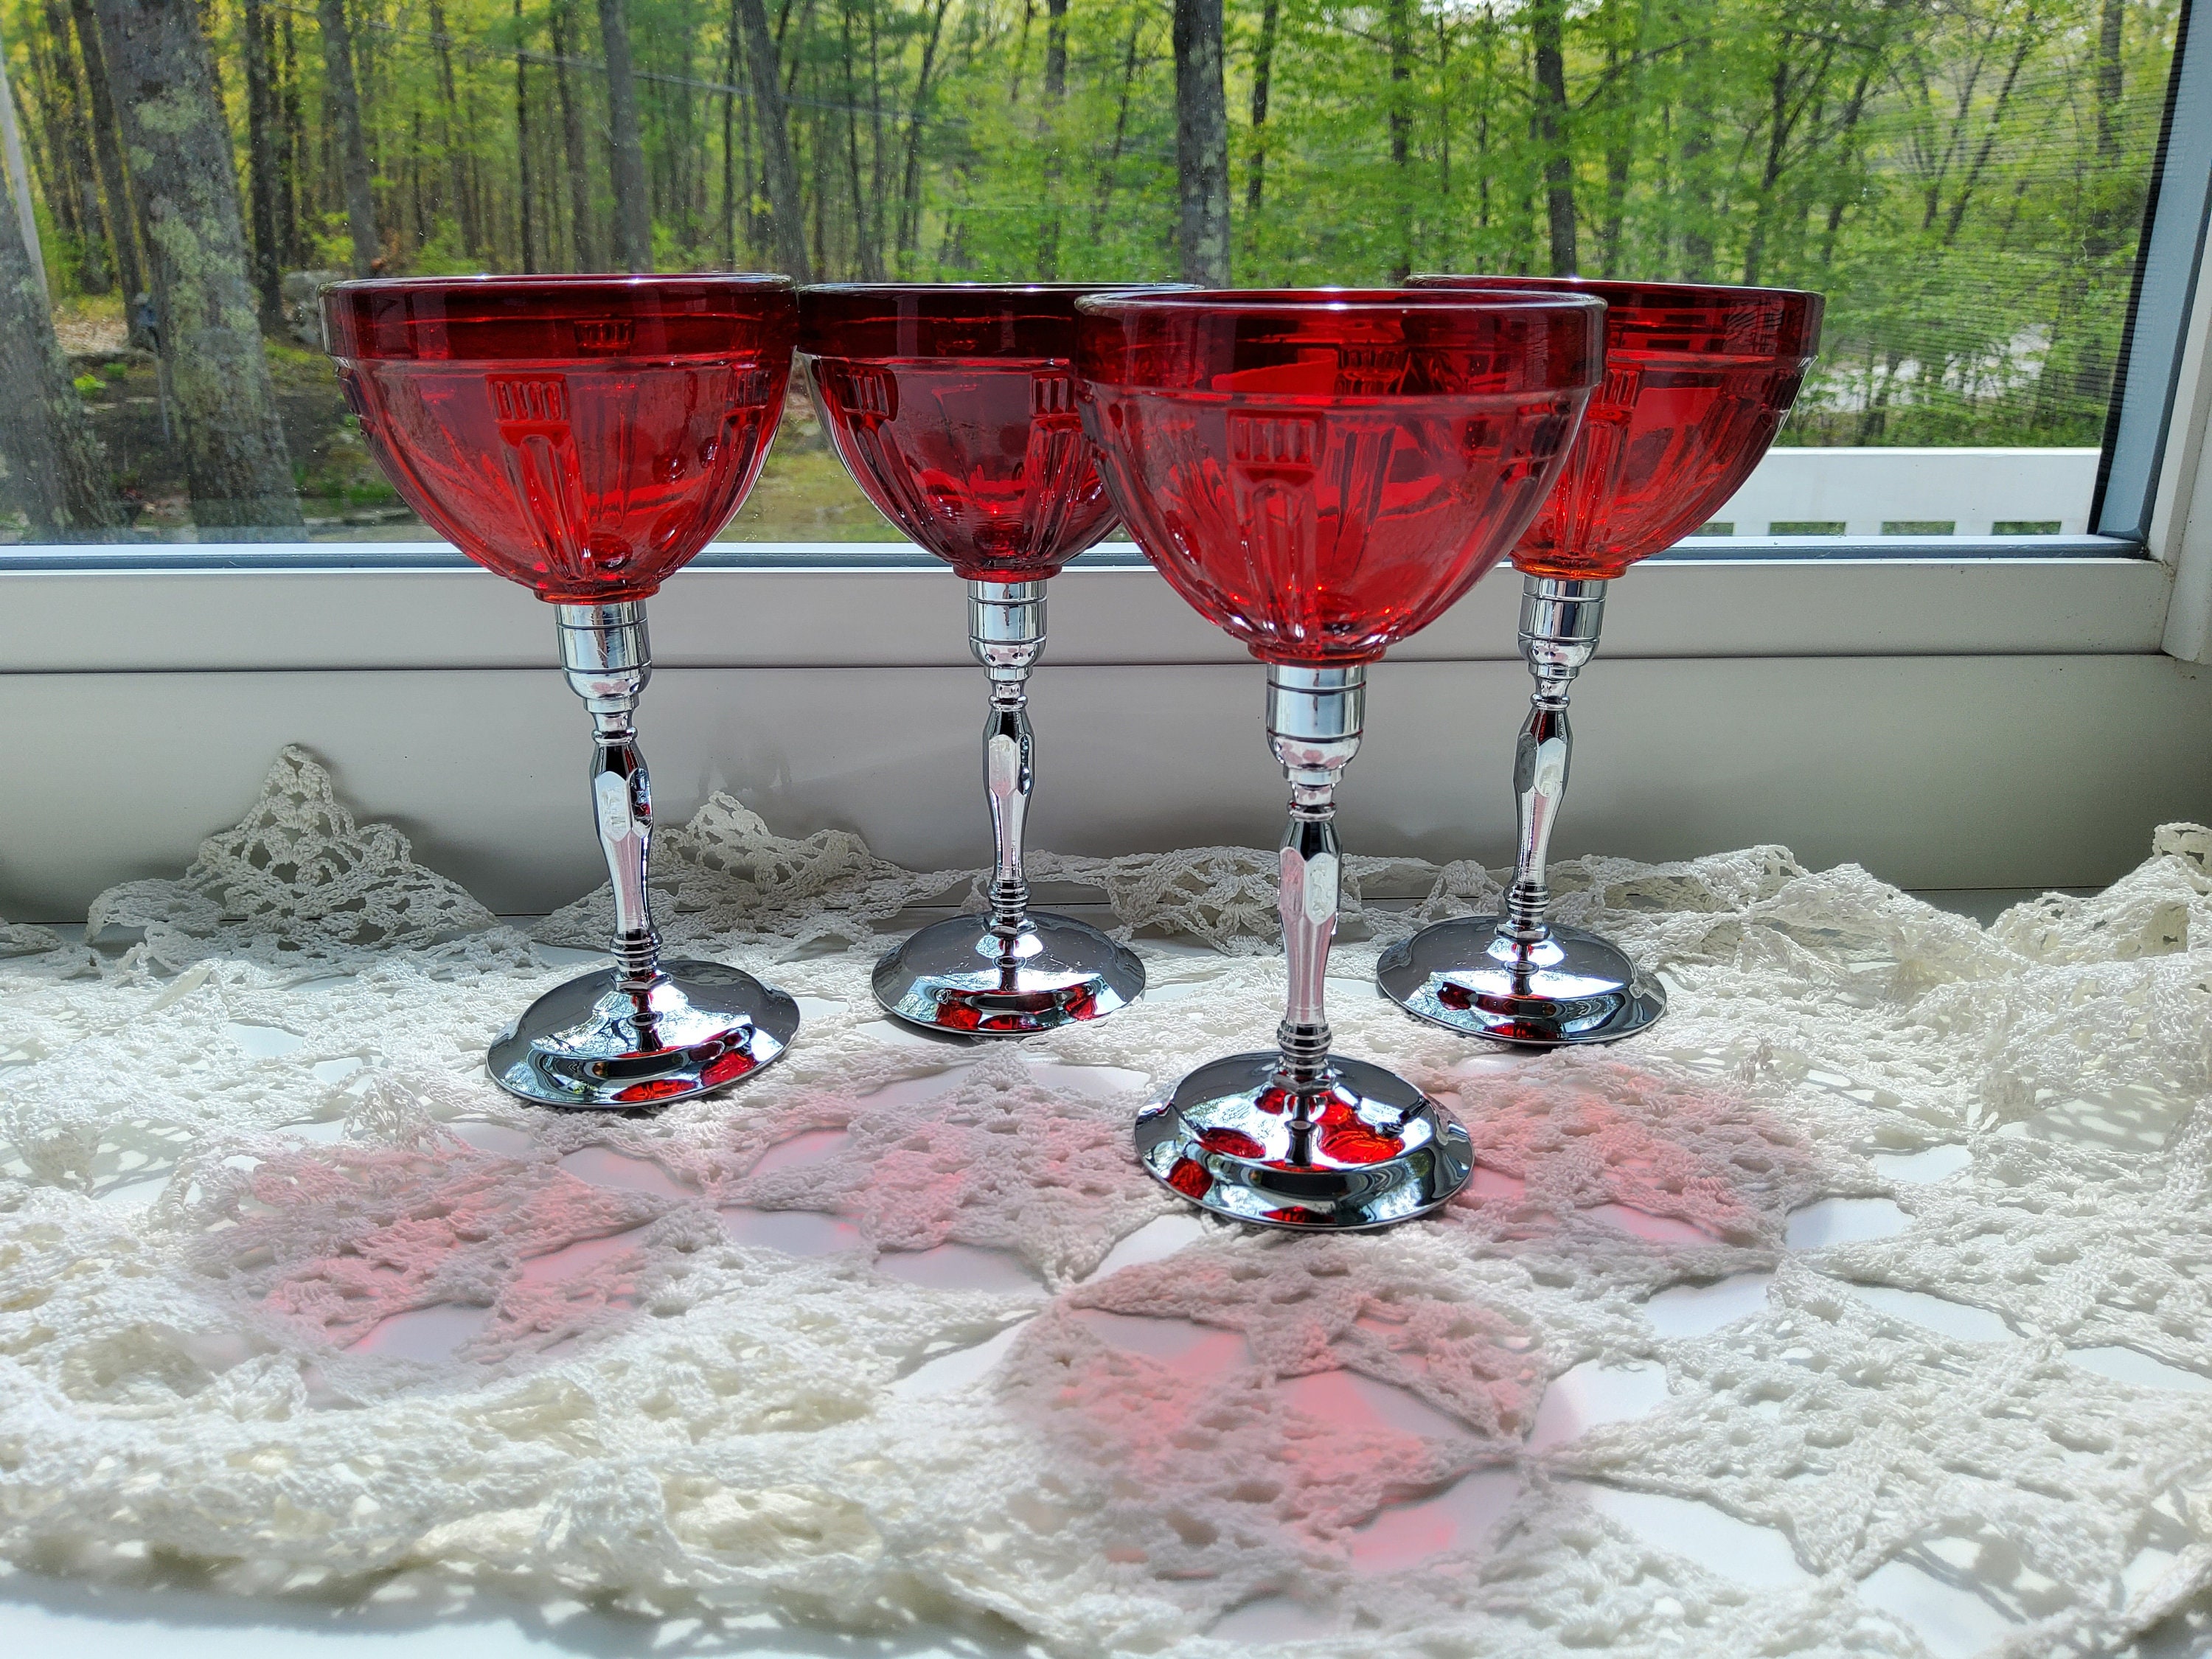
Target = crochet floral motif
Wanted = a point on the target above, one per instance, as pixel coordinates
(707, 1363)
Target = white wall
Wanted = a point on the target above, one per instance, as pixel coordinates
(1967, 724)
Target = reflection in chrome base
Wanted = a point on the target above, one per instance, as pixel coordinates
(963, 976)
(1362, 1148)
(591, 1045)
(1569, 987)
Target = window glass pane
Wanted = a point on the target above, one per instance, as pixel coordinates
(1967, 182)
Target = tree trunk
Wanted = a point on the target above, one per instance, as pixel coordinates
(2106, 219)
(18, 177)
(1055, 97)
(1696, 212)
(1778, 139)
(525, 180)
(1549, 126)
(261, 166)
(879, 179)
(1401, 15)
(1444, 141)
(292, 161)
(52, 469)
(866, 248)
(1107, 174)
(1202, 144)
(70, 144)
(353, 147)
(236, 464)
(773, 114)
(450, 137)
(584, 247)
(122, 216)
(1263, 67)
(909, 225)
(731, 52)
(625, 144)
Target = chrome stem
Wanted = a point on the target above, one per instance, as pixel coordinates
(1560, 620)
(609, 659)
(1005, 630)
(1314, 717)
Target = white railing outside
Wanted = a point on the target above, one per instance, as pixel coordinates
(1914, 492)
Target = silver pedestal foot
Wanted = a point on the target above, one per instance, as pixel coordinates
(1364, 1149)
(1303, 1137)
(643, 1032)
(1013, 972)
(963, 975)
(1571, 987)
(1518, 977)
(594, 1044)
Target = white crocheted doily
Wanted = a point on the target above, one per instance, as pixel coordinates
(705, 1364)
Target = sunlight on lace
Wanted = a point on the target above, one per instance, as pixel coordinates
(1716, 1540)
(962, 1267)
(1268, 1618)
(1844, 1221)
(1954, 1623)
(1936, 1313)
(602, 1166)
(1593, 1394)
(956, 1369)
(264, 1041)
(2126, 1366)
(1693, 1310)
(1189, 1349)
(794, 1232)
(1931, 1164)
(1156, 1240)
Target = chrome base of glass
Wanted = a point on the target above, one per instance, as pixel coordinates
(1369, 1150)
(1573, 988)
(963, 977)
(592, 1045)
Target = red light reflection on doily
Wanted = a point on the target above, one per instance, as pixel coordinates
(399, 1230)
(1665, 1159)
(1216, 1404)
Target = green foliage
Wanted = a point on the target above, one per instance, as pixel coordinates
(89, 385)
(443, 254)
(1964, 181)
(329, 243)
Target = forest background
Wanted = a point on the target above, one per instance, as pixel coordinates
(1965, 181)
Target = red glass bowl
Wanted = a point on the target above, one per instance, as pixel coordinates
(1697, 381)
(953, 407)
(1324, 471)
(583, 436)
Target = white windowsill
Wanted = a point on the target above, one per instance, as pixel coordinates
(147, 619)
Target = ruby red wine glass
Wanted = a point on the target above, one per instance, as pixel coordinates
(953, 407)
(586, 436)
(1320, 473)
(1696, 382)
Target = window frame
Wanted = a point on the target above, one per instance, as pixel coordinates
(2156, 340)
(2148, 481)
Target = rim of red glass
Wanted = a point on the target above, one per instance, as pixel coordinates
(1797, 312)
(861, 320)
(496, 282)
(1299, 300)
(386, 317)
(1496, 343)
(1674, 293)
